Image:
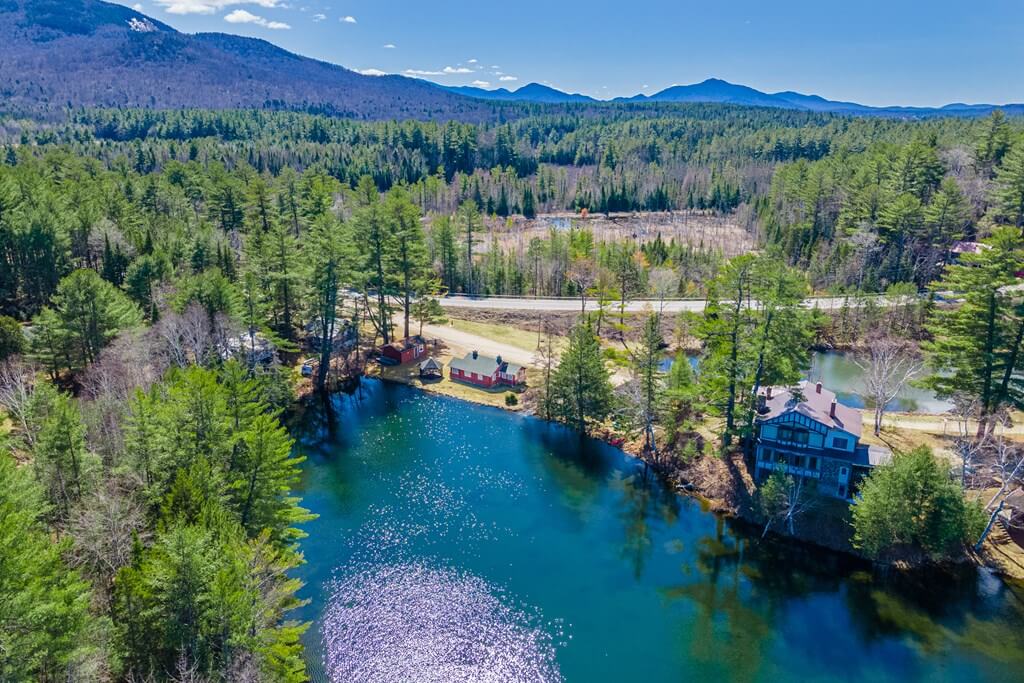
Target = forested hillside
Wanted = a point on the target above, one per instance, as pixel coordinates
(859, 203)
(57, 53)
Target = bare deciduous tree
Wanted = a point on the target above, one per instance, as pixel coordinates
(104, 527)
(888, 365)
(783, 498)
(17, 381)
(664, 283)
(193, 337)
(1004, 462)
(583, 274)
(546, 359)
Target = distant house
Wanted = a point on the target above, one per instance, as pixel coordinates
(808, 433)
(253, 350)
(960, 248)
(487, 372)
(404, 351)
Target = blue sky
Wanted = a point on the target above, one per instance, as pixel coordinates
(921, 52)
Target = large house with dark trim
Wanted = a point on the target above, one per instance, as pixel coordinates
(487, 372)
(805, 432)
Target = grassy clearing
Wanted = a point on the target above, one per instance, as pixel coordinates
(505, 334)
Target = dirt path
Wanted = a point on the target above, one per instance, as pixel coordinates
(936, 424)
(462, 343)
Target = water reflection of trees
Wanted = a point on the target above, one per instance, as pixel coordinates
(728, 634)
(743, 589)
(576, 464)
(939, 611)
(642, 500)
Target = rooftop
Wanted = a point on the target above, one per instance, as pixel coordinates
(816, 404)
(484, 365)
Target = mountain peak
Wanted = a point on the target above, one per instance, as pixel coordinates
(57, 53)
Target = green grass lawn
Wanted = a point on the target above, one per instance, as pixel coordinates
(506, 334)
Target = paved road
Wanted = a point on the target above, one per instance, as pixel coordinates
(574, 305)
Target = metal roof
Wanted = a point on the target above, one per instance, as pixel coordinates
(484, 365)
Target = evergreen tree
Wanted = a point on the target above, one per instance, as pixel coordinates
(409, 254)
(89, 312)
(976, 345)
(912, 503)
(12, 341)
(61, 462)
(469, 218)
(1008, 194)
(330, 257)
(646, 360)
(264, 472)
(44, 615)
(581, 391)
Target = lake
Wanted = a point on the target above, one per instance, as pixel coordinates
(838, 372)
(462, 543)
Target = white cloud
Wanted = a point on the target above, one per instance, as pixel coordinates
(481, 84)
(137, 7)
(472, 61)
(447, 71)
(348, 20)
(319, 17)
(373, 72)
(210, 6)
(508, 78)
(240, 16)
(389, 46)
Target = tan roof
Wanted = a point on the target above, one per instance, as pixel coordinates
(817, 405)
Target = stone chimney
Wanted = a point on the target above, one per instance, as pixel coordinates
(475, 354)
(768, 393)
(817, 388)
(832, 408)
(499, 360)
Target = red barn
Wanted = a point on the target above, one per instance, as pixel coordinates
(405, 351)
(487, 372)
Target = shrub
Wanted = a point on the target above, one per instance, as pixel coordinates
(511, 399)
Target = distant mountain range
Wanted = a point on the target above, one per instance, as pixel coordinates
(715, 90)
(59, 53)
(533, 92)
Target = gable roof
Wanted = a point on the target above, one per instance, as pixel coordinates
(430, 364)
(481, 365)
(817, 405)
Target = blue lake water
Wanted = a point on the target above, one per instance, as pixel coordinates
(838, 371)
(462, 543)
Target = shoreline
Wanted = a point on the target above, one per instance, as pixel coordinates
(723, 486)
